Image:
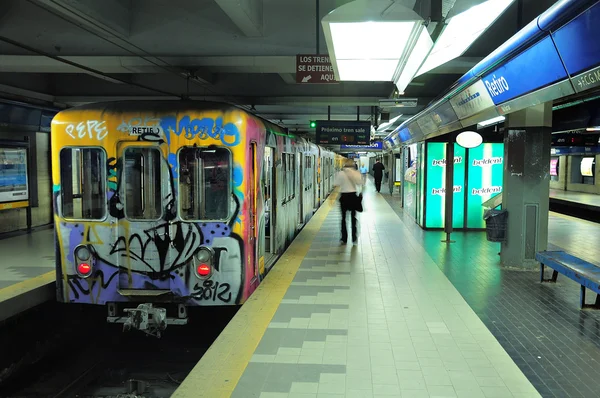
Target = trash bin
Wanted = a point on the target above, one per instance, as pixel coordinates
(496, 222)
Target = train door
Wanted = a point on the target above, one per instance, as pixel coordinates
(301, 192)
(253, 210)
(143, 234)
(315, 183)
(270, 207)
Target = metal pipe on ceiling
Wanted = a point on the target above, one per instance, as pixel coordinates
(83, 67)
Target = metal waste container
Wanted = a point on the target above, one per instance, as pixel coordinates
(496, 222)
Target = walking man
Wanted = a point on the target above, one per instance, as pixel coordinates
(348, 179)
(378, 174)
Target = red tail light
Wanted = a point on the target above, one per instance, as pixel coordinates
(203, 270)
(84, 269)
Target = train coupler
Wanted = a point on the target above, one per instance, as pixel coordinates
(146, 318)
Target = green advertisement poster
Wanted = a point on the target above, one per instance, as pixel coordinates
(436, 189)
(486, 167)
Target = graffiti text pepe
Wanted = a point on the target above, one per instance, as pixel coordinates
(201, 128)
(88, 129)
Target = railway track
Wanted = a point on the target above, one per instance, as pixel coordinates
(95, 359)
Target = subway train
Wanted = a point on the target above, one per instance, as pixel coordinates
(162, 206)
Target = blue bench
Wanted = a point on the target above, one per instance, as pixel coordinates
(582, 272)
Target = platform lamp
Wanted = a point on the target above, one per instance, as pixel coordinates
(376, 40)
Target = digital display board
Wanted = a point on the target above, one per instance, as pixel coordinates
(436, 185)
(13, 175)
(486, 173)
(338, 132)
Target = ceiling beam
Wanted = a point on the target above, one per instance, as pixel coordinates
(221, 64)
(106, 18)
(247, 15)
(291, 100)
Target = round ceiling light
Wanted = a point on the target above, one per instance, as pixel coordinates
(469, 139)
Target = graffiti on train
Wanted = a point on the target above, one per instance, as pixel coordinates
(211, 291)
(93, 129)
(203, 128)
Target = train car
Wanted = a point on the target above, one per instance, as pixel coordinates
(159, 206)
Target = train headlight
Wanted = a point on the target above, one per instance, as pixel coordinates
(204, 260)
(82, 253)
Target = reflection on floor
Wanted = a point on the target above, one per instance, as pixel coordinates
(555, 344)
(26, 256)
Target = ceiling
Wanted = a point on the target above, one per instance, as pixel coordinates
(69, 52)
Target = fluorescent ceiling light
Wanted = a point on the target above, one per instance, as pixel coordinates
(414, 62)
(593, 129)
(373, 40)
(489, 122)
(462, 30)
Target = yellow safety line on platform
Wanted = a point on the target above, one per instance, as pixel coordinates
(222, 366)
(19, 288)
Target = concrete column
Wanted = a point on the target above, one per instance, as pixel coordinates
(526, 188)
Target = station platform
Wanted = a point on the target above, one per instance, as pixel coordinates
(27, 272)
(577, 204)
(381, 318)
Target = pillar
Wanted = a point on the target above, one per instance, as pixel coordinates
(526, 189)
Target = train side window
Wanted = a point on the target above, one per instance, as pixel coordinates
(143, 187)
(83, 183)
(204, 183)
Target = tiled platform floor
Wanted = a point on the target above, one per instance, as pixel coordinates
(26, 256)
(377, 319)
(555, 344)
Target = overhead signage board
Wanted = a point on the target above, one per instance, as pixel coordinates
(574, 150)
(586, 80)
(577, 55)
(443, 115)
(340, 132)
(314, 69)
(472, 100)
(509, 81)
(373, 145)
(427, 124)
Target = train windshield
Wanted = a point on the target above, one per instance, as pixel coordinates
(82, 183)
(204, 183)
(143, 199)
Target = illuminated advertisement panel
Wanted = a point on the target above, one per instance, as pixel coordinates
(554, 167)
(587, 167)
(436, 189)
(410, 182)
(486, 168)
(13, 175)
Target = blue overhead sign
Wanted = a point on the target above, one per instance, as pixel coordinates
(572, 150)
(580, 55)
(373, 145)
(535, 68)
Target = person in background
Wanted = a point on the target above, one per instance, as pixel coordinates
(348, 179)
(378, 174)
(363, 171)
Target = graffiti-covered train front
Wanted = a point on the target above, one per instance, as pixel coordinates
(163, 202)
